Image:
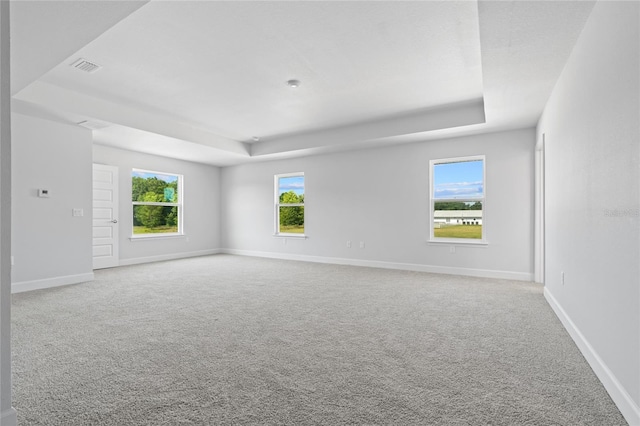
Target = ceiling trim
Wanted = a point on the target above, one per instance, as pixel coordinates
(60, 99)
(424, 120)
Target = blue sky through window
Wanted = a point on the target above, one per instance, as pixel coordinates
(292, 183)
(460, 180)
(147, 175)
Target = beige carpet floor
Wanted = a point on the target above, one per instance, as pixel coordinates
(230, 340)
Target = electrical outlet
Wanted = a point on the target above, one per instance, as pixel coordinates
(562, 277)
(349, 244)
(361, 244)
(77, 212)
(452, 249)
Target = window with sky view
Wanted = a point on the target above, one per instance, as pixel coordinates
(290, 203)
(156, 199)
(457, 198)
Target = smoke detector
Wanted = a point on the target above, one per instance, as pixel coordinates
(86, 66)
(293, 83)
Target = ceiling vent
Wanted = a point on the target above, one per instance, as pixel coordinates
(86, 66)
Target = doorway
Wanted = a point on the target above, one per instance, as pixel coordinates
(105, 216)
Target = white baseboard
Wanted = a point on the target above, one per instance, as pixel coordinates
(172, 256)
(19, 287)
(619, 395)
(484, 273)
(8, 417)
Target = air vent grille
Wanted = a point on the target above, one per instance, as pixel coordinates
(86, 66)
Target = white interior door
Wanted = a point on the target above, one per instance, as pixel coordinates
(105, 216)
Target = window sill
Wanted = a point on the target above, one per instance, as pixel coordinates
(295, 236)
(458, 242)
(147, 237)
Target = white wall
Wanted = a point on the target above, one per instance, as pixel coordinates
(380, 196)
(592, 130)
(201, 206)
(7, 412)
(49, 245)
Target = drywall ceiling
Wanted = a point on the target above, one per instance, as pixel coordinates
(205, 79)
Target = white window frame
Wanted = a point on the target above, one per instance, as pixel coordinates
(179, 204)
(432, 201)
(276, 223)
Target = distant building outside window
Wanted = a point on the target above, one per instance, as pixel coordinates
(457, 199)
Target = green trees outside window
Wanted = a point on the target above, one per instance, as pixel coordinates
(457, 205)
(156, 202)
(290, 203)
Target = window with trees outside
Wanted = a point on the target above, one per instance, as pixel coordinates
(457, 199)
(157, 203)
(289, 204)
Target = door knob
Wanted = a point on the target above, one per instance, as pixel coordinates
(114, 221)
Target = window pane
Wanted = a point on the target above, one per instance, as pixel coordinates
(457, 219)
(155, 187)
(291, 220)
(155, 219)
(291, 189)
(462, 179)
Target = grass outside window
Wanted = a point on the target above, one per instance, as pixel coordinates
(459, 231)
